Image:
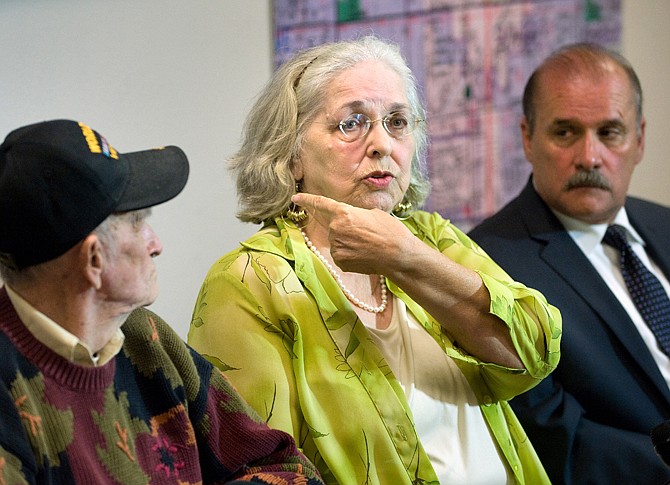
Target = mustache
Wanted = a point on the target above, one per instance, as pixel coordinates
(588, 178)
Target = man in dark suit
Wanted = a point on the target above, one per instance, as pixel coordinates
(583, 133)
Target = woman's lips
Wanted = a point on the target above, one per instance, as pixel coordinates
(379, 180)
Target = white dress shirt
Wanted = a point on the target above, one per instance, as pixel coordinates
(605, 259)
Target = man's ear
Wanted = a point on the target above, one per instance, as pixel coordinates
(93, 260)
(641, 140)
(526, 138)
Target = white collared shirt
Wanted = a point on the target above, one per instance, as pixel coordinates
(64, 343)
(605, 260)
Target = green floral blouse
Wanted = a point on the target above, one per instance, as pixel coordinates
(274, 320)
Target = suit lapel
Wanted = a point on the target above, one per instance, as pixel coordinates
(567, 260)
(654, 230)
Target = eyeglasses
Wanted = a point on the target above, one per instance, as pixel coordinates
(357, 125)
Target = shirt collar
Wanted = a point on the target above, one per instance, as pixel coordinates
(64, 343)
(589, 236)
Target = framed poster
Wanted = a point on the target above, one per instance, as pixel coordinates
(471, 59)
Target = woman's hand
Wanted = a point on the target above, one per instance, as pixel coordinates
(367, 241)
(370, 241)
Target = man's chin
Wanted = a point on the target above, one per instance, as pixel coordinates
(591, 213)
(151, 298)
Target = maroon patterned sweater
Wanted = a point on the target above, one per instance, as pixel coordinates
(156, 413)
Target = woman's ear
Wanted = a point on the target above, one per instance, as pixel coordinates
(93, 260)
(296, 168)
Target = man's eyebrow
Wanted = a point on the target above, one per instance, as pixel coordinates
(573, 122)
(613, 122)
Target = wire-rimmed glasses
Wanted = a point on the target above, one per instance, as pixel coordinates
(397, 124)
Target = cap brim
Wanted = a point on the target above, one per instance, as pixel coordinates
(156, 176)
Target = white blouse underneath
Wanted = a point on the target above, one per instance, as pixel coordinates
(446, 413)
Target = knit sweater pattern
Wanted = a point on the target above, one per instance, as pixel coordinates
(158, 413)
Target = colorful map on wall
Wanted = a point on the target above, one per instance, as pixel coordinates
(472, 59)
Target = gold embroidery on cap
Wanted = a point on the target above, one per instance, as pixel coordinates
(93, 144)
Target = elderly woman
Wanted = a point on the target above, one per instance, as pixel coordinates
(379, 335)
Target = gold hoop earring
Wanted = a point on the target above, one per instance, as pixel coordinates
(402, 211)
(295, 213)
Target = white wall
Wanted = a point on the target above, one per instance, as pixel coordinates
(646, 44)
(148, 73)
(155, 72)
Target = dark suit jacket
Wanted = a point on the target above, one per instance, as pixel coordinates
(590, 420)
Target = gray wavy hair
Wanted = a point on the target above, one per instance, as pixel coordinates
(276, 125)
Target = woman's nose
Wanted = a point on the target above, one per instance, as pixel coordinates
(380, 142)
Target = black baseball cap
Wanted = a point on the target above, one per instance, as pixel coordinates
(60, 179)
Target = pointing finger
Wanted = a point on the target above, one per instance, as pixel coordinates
(316, 204)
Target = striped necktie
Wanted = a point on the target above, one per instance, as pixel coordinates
(645, 290)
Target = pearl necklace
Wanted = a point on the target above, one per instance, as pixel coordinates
(352, 298)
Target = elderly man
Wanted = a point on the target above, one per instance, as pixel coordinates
(575, 235)
(93, 387)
